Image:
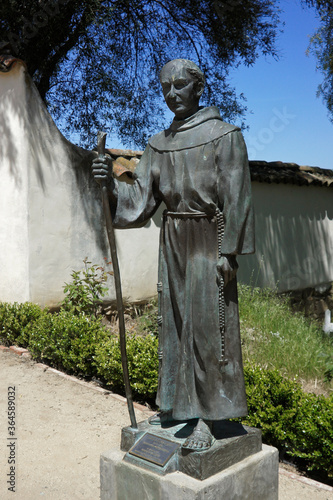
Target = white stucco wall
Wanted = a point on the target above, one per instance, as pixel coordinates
(14, 234)
(294, 237)
(50, 208)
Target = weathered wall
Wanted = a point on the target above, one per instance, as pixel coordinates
(50, 207)
(14, 234)
(294, 237)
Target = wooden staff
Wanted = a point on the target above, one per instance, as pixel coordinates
(101, 138)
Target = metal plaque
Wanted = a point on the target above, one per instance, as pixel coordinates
(154, 449)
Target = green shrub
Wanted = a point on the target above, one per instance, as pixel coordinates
(68, 341)
(298, 423)
(85, 292)
(313, 429)
(272, 403)
(17, 320)
(142, 364)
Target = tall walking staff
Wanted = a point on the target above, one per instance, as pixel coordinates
(101, 138)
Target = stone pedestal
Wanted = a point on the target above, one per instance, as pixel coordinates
(233, 443)
(254, 478)
(236, 467)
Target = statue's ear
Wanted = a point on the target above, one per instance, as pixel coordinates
(199, 89)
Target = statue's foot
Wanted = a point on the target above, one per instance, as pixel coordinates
(162, 417)
(201, 438)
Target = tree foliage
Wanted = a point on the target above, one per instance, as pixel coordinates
(95, 62)
(322, 46)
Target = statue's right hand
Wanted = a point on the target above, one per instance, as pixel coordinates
(102, 168)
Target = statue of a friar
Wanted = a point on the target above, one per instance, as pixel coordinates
(199, 168)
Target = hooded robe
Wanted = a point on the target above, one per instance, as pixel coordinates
(199, 169)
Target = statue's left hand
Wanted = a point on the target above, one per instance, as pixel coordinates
(227, 265)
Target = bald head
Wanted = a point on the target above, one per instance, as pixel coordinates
(190, 67)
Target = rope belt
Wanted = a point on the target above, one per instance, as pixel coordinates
(187, 215)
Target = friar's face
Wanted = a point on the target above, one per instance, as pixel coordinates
(181, 91)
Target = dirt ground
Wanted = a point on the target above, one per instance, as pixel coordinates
(62, 426)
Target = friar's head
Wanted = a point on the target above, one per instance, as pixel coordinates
(183, 84)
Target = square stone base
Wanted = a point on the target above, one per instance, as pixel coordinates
(233, 443)
(253, 478)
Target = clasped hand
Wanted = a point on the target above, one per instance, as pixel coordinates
(102, 168)
(227, 267)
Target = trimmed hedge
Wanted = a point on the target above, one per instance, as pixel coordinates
(299, 424)
(17, 320)
(68, 341)
(142, 364)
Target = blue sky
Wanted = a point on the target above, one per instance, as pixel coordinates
(288, 122)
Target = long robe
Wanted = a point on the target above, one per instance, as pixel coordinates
(198, 168)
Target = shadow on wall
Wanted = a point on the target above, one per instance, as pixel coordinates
(40, 134)
(12, 113)
(48, 141)
(88, 204)
(294, 237)
(26, 127)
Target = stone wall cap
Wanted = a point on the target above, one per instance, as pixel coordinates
(290, 173)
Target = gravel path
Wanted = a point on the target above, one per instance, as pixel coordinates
(62, 426)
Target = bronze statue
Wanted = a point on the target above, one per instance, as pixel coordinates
(199, 168)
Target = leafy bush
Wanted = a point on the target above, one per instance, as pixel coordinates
(17, 320)
(313, 430)
(298, 423)
(85, 292)
(142, 364)
(68, 341)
